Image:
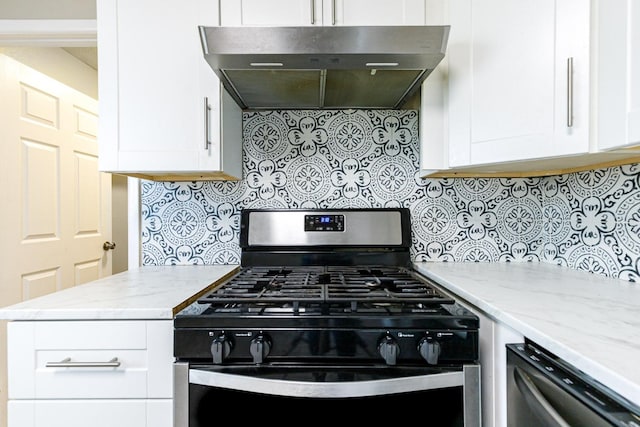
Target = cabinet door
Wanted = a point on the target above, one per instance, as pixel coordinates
(94, 413)
(618, 74)
(321, 12)
(513, 92)
(270, 12)
(90, 359)
(374, 12)
(153, 86)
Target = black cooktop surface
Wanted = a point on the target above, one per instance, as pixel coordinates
(326, 296)
(298, 305)
(302, 287)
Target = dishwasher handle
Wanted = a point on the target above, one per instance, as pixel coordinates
(536, 400)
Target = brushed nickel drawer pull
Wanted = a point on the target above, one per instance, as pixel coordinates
(67, 363)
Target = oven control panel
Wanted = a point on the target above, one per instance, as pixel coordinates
(389, 346)
(324, 223)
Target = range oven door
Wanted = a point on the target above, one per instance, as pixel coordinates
(442, 397)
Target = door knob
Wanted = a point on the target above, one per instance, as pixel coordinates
(108, 245)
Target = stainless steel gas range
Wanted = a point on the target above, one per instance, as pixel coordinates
(326, 313)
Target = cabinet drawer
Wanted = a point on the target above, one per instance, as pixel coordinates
(90, 359)
(94, 413)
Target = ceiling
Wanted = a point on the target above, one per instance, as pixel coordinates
(88, 55)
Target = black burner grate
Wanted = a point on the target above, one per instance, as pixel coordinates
(348, 286)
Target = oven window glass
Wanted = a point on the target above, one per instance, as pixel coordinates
(209, 406)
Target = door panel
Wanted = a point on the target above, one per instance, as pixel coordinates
(56, 206)
(375, 12)
(510, 75)
(271, 13)
(60, 211)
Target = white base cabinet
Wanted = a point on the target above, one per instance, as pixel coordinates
(94, 413)
(493, 337)
(78, 373)
(494, 365)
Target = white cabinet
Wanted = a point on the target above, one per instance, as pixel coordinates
(518, 82)
(374, 12)
(618, 73)
(493, 337)
(94, 413)
(495, 380)
(322, 12)
(154, 87)
(526, 86)
(270, 12)
(102, 373)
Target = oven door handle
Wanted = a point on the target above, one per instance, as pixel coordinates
(340, 389)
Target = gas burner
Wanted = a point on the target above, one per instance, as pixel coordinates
(319, 286)
(307, 292)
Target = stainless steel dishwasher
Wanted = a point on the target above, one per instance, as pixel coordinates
(545, 391)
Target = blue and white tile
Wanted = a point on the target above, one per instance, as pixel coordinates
(370, 158)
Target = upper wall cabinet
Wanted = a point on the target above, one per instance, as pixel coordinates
(618, 73)
(163, 113)
(374, 12)
(517, 81)
(270, 12)
(322, 12)
(521, 81)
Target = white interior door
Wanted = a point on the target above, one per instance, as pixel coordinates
(56, 210)
(58, 213)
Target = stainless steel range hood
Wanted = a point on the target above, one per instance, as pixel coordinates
(375, 67)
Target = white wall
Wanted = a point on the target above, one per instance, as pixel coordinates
(48, 9)
(58, 64)
(119, 219)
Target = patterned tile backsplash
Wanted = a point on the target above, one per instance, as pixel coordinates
(370, 158)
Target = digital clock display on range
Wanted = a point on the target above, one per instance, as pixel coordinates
(324, 223)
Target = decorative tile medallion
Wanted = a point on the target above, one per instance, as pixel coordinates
(369, 158)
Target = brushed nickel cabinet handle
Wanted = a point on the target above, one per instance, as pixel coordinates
(570, 92)
(333, 12)
(207, 109)
(313, 12)
(67, 363)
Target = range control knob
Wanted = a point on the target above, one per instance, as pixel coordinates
(259, 348)
(429, 350)
(220, 348)
(388, 349)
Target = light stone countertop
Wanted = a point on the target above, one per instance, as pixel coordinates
(142, 293)
(590, 321)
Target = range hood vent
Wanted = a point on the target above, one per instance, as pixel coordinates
(372, 67)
